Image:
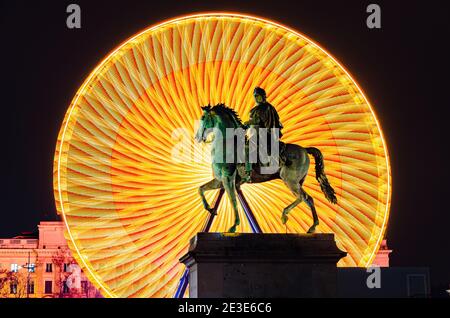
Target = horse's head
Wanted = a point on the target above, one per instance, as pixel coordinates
(206, 124)
(211, 118)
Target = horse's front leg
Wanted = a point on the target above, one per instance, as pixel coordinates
(211, 185)
(229, 183)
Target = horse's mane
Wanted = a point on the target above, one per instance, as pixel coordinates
(224, 109)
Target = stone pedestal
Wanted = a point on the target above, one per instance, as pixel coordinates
(262, 265)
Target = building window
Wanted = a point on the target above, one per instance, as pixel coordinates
(49, 267)
(30, 289)
(66, 289)
(48, 287)
(67, 267)
(14, 268)
(13, 288)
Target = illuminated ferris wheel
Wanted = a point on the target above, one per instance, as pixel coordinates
(130, 211)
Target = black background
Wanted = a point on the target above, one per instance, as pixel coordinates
(403, 69)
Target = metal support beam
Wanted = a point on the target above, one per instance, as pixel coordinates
(182, 285)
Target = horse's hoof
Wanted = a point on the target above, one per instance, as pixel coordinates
(312, 229)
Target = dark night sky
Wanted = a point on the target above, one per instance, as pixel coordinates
(403, 68)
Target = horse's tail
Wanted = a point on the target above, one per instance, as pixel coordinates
(327, 189)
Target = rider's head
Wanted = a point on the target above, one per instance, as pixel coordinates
(260, 95)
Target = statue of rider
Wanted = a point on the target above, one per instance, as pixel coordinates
(263, 115)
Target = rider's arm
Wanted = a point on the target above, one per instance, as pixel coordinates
(250, 121)
(254, 117)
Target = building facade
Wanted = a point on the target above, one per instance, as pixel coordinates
(382, 257)
(41, 266)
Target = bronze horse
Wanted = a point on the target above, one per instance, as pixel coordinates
(230, 176)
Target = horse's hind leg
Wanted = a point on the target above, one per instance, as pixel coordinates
(211, 185)
(287, 210)
(295, 188)
(310, 202)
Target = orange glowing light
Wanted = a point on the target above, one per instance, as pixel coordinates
(130, 210)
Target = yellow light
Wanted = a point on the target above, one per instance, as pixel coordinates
(130, 210)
